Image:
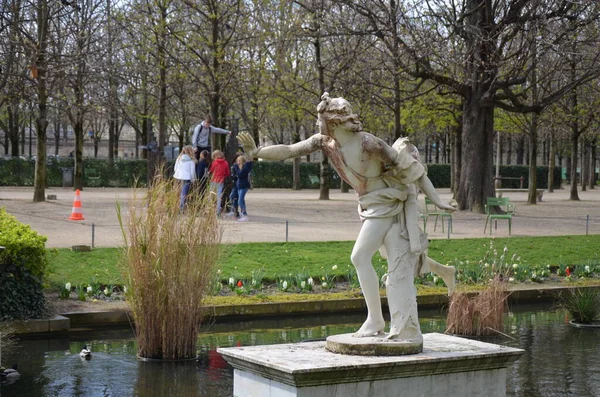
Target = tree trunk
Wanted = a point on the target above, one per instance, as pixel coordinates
(41, 62)
(476, 183)
(13, 130)
(551, 163)
(79, 136)
(508, 149)
(521, 149)
(457, 161)
(162, 74)
(574, 157)
(533, 133)
(324, 170)
(592, 179)
(585, 163)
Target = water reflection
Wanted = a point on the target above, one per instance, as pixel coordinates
(560, 360)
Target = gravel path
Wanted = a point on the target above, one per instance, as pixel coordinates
(277, 214)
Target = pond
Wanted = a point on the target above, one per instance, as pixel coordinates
(560, 360)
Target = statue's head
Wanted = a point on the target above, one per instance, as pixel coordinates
(333, 112)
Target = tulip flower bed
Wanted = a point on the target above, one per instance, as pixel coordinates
(316, 267)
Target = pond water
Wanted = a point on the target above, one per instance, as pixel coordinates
(560, 360)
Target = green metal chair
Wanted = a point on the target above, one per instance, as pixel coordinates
(431, 209)
(505, 206)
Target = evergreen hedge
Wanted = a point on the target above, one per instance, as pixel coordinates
(23, 262)
(266, 174)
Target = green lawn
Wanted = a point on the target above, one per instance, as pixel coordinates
(316, 259)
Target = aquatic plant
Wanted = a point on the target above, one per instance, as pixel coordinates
(582, 304)
(169, 260)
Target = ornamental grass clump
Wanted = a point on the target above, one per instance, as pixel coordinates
(582, 304)
(169, 260)
(480, 314)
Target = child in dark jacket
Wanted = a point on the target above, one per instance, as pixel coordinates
(243, 185)
(219, 170)
(233, 196)
(202, 173)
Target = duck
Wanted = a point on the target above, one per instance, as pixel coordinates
(85, 352)
(9, 374)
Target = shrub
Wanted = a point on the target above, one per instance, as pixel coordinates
(23, 246)
(169, 261)
(22, 264)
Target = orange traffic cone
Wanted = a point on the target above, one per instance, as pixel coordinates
(76, 214)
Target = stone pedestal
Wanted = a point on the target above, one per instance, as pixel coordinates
(448, 366)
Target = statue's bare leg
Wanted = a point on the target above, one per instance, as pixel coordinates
(401, 291)
(369, 240)
(447, 273)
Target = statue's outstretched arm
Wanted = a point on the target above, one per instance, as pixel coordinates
(426, 187)
(280, 152)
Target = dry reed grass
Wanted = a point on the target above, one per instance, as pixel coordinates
(480, 314)
(169, 261)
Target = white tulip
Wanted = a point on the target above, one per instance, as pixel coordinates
(311, 281)
(334, 267)
(303, 284)
(89, 289)
(284, 285)
(68, 286)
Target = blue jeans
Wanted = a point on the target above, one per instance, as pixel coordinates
(218, 188)
(242, 200)
(233, 199)
(184, 192)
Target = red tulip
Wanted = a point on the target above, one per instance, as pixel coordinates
(568, 271)
(240, 284)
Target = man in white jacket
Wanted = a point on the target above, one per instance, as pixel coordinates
(201, 136)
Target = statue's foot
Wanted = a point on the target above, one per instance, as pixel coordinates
(370, 328)
(415, 338)
(449, 277)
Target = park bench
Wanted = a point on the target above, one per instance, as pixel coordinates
(507, 208)
(538, 192)
(498, 180)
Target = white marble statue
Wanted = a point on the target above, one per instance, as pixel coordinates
(385, 178)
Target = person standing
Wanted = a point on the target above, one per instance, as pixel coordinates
(243, 185)
(219, 170)
(202, 171)
(201, 136)
(233, 196)
(185, 170)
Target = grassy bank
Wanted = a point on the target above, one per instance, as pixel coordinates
(317, 259)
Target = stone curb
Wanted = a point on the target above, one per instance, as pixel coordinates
(74, 321)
